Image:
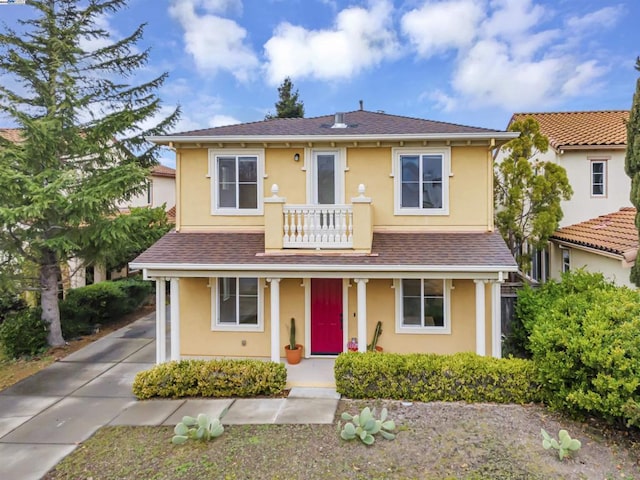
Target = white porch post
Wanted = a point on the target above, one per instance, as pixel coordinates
(275, 319)
(362, 313)
(480, 318)
(161, 320)
(175, 318)
(496, 320)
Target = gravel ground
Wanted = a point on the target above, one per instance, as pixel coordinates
(435, 441)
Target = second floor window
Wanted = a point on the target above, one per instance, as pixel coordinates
(237, 185)
(598, 178)
(421, 181)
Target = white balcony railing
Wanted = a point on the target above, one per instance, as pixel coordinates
(318, 226)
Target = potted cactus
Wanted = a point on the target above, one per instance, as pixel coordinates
(373, 346)
(293, 350)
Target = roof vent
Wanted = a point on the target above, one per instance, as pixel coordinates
(338, 121)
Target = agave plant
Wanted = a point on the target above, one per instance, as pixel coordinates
(365, 426)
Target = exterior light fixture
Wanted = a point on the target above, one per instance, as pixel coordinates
(296, 157)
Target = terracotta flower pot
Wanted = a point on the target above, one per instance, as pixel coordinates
(293, 356)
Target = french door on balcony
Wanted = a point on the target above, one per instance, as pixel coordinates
(327, 178)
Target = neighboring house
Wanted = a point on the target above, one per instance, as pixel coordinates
(339, 222)
(591, 148)
(607, 244)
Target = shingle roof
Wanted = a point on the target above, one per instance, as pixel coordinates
(391, 251)
(359, 122)
(575, 129)
(614, 233)
(163, 171)
(11, 134)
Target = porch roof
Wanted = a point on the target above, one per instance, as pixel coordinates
(407, 251)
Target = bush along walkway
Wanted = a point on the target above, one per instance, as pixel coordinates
(48, 414)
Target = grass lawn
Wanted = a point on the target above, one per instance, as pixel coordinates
(435, 441)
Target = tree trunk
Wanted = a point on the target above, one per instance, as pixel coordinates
(49, 271)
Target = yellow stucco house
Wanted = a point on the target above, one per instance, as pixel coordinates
(338, 221)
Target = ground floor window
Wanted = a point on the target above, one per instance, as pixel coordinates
(422, 306)
(566, 260)
(237, 304)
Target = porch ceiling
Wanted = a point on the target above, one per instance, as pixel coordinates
(391, 252)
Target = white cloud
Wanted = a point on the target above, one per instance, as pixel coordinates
(361, 38)
(437, 27)
(215, 43)
(512, 54)
(605, 17)
(223, 120)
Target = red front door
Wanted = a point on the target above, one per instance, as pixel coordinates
(326, 316)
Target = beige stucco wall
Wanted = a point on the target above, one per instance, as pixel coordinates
(469, 188)
(197, 339)
(611, 268)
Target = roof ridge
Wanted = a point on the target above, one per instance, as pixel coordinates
(565, 112)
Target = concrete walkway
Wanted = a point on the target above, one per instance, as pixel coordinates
(46, 416)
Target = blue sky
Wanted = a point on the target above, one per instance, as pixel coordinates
(473, 62)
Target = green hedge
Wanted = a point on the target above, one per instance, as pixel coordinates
(101, 303)
(585, 343)
(23, 333)
(211, 378)
(429, 377)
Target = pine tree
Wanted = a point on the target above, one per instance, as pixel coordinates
(528, 192)
(632, 164)
(288, 105)
(81, 149)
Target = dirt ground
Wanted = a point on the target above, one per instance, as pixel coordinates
(435, 441)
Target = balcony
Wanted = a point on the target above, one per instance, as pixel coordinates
(318, 227)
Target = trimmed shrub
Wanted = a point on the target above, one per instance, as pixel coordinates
(23, 333)
(101, 303)
(429, 377)
(586, 348)
(211, 378)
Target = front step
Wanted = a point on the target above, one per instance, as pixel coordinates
(314, 392)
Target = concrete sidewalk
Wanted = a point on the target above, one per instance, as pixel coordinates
(46, 416)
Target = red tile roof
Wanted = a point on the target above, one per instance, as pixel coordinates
(359, 122)
(11, 134)
(171, 215)
(581, 129)
(163, 171)
(433, 251)
(614, 233)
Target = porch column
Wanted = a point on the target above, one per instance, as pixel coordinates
(161, 320)
(362, 313)
(480, 318)
(496, 320)
(175, 318)
(275, 319)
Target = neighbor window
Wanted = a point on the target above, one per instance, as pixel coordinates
(566, 260)
(237, 304)
(422, 306)
(237, 185)
(598, 178)
(421, 181)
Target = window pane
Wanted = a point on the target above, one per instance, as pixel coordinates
(410, 195)
(248, 169)
(226, 182)
(432, 168)
(248, 197)
(227, 300)
(248, 310)
(249, 286)
(598, 189)
(411, 312)
(326, 179)
(433, 312)
(433, 288)
(410, 168)
(432, 195)
(411, 288)
(597, 167)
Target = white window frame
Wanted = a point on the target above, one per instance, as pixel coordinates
(445, 152)
(431, 330)
(215, 283)
(213, 174)
(566, 260)
(605, 164)
(310, 166)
